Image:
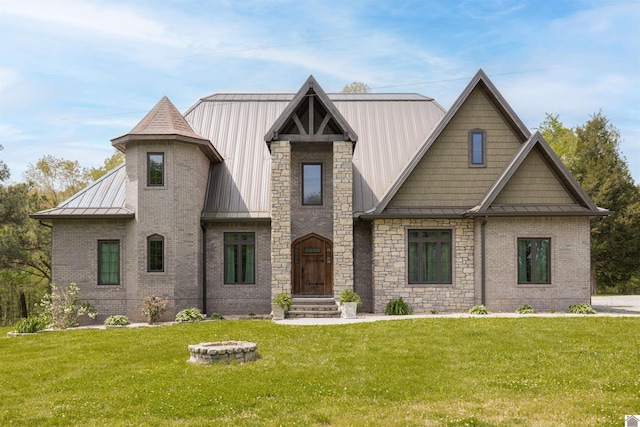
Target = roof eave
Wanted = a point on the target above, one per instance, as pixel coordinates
(205, 145)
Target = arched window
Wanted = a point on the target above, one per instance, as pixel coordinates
(155, 253)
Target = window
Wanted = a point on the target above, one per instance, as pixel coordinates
(155, 251)
(239, 257)
(430, 256)
(155, 169)
(108, 262)
(534, 261)
(477, 148)
(311, 183)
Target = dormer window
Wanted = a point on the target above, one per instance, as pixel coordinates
(477, 148)
(312, 184)
(155, 169)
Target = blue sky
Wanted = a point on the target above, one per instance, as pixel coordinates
(75, 74)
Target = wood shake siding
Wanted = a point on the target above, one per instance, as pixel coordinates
(443, 176)
(534, 182)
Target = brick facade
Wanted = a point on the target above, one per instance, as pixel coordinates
(570, 263)
(238, 298)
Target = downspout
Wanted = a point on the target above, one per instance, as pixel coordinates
(204, 268)
(483, 280)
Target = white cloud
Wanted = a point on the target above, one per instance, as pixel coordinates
(104, 18)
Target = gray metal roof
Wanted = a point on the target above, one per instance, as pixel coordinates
(391, 128)
(103, 198)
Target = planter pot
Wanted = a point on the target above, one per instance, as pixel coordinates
(349, 310)
(277, 312)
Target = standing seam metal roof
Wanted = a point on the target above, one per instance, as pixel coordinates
(391, 128)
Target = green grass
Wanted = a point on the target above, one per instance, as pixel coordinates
(433, 372)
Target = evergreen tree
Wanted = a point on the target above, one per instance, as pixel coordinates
(592, 153)
(603, 173)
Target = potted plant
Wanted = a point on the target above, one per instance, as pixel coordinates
(349, 302)
(280, 304)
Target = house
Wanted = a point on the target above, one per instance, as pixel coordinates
(250, 195)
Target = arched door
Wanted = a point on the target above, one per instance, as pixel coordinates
(312, 265)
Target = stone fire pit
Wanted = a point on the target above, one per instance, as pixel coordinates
(226, 351)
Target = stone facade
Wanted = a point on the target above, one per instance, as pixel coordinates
(390, 271)
(280, 218)
(342, 216)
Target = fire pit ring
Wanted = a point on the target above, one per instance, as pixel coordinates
(207, 353)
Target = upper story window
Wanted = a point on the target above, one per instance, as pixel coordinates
(312, 183)
(108, 262)
(155, 253)
(429, 256)
(534, 261)
(155, 169)
(477, 148)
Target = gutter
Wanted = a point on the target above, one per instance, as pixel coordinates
(204, 268)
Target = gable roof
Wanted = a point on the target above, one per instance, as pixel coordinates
(104, 198)
(310, 92)
(584, 204)
(163, 122)
(482, 81)
(390, 128)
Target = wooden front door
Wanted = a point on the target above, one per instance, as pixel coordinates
(312, 266)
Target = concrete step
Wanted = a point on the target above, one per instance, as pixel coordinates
(313, 306)
(313, 300)
(296, 314)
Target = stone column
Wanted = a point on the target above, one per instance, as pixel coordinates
(342, 216)
(280, 218)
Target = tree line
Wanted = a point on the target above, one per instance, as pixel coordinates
(25, 243)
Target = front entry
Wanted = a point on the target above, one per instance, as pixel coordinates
(312, 265)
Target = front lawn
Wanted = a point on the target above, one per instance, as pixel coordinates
(435, 372)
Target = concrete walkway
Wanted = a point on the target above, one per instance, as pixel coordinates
(619, 305)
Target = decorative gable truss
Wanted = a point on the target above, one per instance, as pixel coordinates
(311, 117)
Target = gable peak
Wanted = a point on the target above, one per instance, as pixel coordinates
(311, 116)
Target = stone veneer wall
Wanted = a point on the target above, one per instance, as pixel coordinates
(342, 216)
(280, 217)
(390, 266)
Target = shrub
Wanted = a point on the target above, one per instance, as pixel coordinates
(581, 308)
(526, 309)
(117, 320)
(479, 309)
(62, 309)
(31, 325)
(350, 296)
(153, 308)
(189, 315)
(283, 300)
(398, 307)
(217, 316)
